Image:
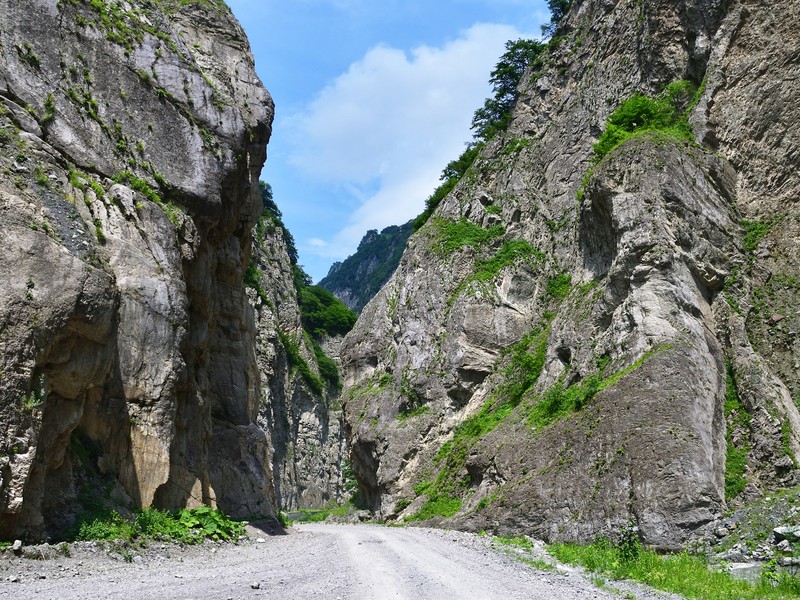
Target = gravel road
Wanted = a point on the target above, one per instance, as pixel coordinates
(314, 561)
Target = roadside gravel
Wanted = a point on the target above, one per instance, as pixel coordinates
(319, 561)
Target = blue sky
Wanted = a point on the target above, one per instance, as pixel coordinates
(373, 99)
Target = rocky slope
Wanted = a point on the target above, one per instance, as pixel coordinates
(357, 279)
(132, 368)
(564, 349)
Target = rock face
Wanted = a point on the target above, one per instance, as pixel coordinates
(131, 138)
(357, 279)
(301, 413)
(561, 353)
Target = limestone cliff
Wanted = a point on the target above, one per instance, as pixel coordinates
(568, 346)
(131, 139)
(299, 405)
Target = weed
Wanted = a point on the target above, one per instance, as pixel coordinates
(189, 526)
(684, 574)
(452, 236)
(736, 457)
(558, 287)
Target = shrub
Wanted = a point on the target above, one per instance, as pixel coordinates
(451, 236)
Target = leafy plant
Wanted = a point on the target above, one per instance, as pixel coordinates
(452, 235)
(189, 526)
(736, 417)
(667, 113)
(451, 175)
(558, 287)
(495, 114)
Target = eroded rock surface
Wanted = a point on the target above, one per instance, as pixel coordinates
(568, 373)
(132, 135)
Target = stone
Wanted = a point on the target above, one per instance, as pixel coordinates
(790, 533)
(255, 585)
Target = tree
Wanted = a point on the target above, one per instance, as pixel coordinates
(558, 8)
(495, 113)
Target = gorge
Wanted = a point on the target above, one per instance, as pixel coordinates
(595, 326)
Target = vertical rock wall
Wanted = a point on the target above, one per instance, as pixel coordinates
(581, 384)
(132, 138)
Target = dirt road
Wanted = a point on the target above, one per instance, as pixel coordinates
(316, 561)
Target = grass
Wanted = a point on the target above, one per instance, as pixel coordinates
(189, 526)
(684, 574)
(438, 505)
(452, 236)
(667, 115)
(558, 401)
(317, 515)
(558, 287)
(736, 418)
(755, 231)
(524, 365)
(297, 364)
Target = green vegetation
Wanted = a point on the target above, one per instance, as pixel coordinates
(515, 542)
(322, 313)
(49, 110)
(511, 252)
(382, 252)
(452, 236)
(755, 231)
(316, 515)
(437, 505)
(122, 25)
(667, 113)
(413, 412)
(189, 526)
(494, 116)
(525, 363)
(558, 9)
(684, 574)
(451, 175)
(558, 287)
(736, 417)
(174, 213)
(28, 56)
(558, 401)
(298, 364)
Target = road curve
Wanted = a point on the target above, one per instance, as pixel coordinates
(317, 561)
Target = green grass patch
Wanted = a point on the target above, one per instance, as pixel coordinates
(511, 252)
(558, 401)
(452, 236)
(684, 574)
(317, 515)
(438, 505)
(524, 364)
(754, 232)
(298, 364)
(515, 542)
(558, 287)
(666, 115)
(736, 417)
(413, 412)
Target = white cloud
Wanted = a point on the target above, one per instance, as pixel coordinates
(318, 243)
(387, 127)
